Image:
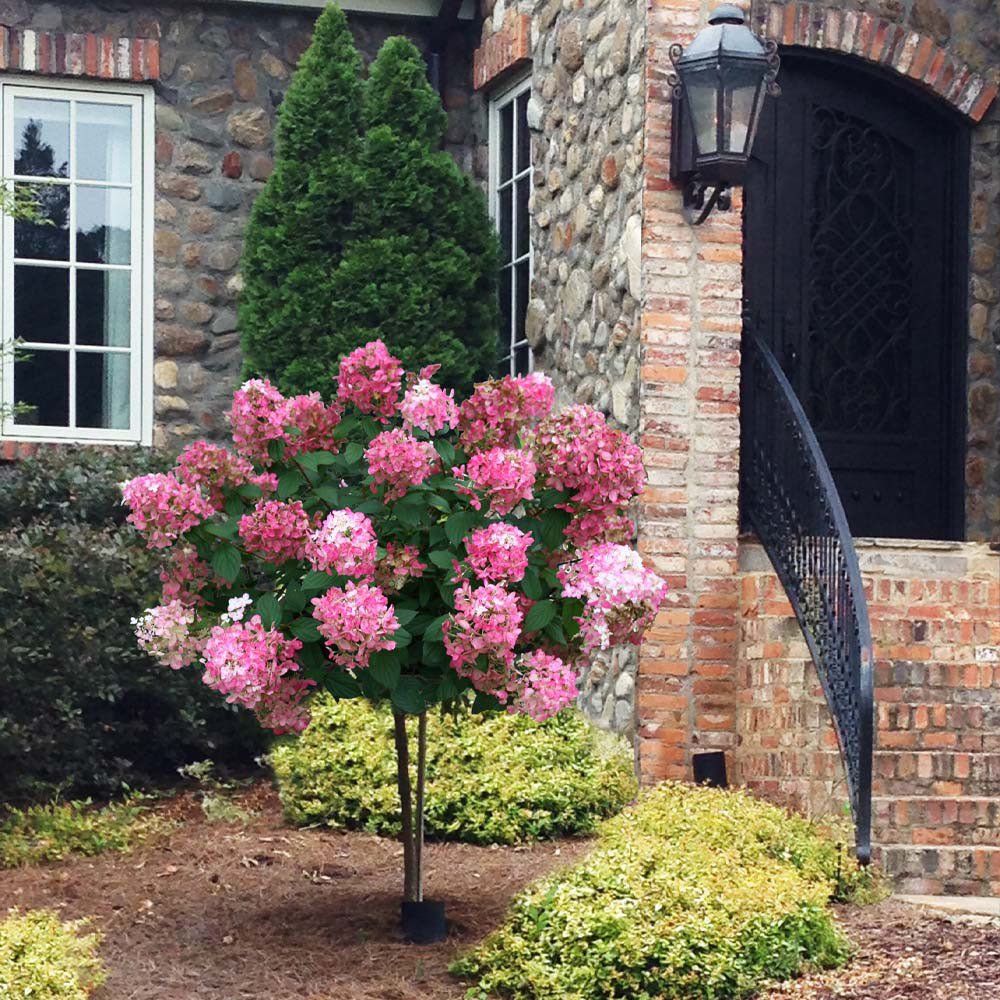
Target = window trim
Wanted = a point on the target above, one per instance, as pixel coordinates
(499, 99)
(140, 430)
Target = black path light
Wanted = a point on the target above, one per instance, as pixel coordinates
(719, 86)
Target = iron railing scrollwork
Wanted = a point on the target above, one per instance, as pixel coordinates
(789, 499)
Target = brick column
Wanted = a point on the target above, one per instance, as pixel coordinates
(689, 402)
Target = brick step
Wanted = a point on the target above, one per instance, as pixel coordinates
(955, 870)
(927, 820)
(936, 773)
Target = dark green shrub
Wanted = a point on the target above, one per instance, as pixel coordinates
(82, 710)
(693, 894)
(490, 779)
(366, 229)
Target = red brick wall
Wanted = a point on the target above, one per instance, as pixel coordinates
(935, 611)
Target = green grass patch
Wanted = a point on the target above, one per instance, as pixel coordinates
(43, 958)
(692, 894)
(498, 779)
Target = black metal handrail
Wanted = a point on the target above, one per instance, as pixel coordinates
(790, 500)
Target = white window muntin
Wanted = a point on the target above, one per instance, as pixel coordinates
(139, 185)
(510, 192)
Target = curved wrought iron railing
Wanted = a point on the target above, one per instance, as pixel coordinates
(790, 500)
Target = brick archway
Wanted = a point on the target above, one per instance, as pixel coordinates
(911, 54)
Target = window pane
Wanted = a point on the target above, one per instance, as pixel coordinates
(41, 137)
(102, 390)
(103, 142)
(103, 225)
(523, 223)
(521, 301)
(41, 304)
(506, 222)
(523, 135)
(506, 141)
(522, 360)
(50, 239)
(504, 342)
(103, 317)
(41, 382)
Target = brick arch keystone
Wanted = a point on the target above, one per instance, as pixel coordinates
(909, 53)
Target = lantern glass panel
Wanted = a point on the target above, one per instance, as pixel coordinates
(702, 87)
(741, 84)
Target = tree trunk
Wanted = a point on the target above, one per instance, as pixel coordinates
(419, 819)
(412, 890)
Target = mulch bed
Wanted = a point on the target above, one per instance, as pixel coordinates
(264, 912)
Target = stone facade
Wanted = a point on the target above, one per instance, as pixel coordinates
(222, 72)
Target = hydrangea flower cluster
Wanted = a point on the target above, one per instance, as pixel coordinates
(185, 576)
(620, 595)
(165, 633)
(257, 417)
(212, 468)
(546, 686)
(401, 563)
(163, 508)
(246, 661)
(355, 622)
(498, 553)
(276, 530)
(344, 543)
(398, 461)
(428, 407)
(505, 475)
(284, 709)
(481, 635)
(314, 422)
(499, 408)
(371, 378)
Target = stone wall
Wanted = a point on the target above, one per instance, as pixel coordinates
(586, 116)
(935, 614)
(223, 72)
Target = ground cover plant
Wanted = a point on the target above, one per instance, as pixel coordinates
(43, 958)
(366, 228)
(491, 779)
(693, 894)
(397, 547)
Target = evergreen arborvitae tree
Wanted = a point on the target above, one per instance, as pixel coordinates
(380, 235)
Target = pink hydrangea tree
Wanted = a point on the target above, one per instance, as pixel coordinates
(397, 546)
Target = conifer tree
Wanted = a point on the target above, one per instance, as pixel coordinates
(373, 233)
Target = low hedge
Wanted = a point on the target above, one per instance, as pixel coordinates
(490, 779)
(42, 958)
(693, 894)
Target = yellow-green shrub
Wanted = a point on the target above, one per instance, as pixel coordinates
(42, 958)
(693, 894)
(490, 779)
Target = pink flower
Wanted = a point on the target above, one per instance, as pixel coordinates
(399, 461)
(283, 709)
(620, 595)
(258, 416)
(545, 687)
(590, 527)
(480, 636)
(165, 633)
(505, 475)
(344, 543)
(246, 662)
(276, 530)
(401, 563)
(499, 552)
(370, 378)
(164, 508)
(600, 466)
(315, 422)
(185, 577)
(428, 407)
(214, 469)
(499, 408)
(355, 622)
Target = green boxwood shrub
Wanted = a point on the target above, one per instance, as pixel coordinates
(693, 894)
(82, 710)
(42, 958)
(490, 779)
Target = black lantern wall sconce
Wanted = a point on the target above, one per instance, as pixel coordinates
(719, 85)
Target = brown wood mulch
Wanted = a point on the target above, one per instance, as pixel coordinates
(264, 912)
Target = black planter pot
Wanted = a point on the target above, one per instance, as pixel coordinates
(423, 922)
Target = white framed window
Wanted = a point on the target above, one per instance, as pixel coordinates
(76, 291)
(510, 192)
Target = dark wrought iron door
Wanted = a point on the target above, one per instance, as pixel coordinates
(851, 279)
